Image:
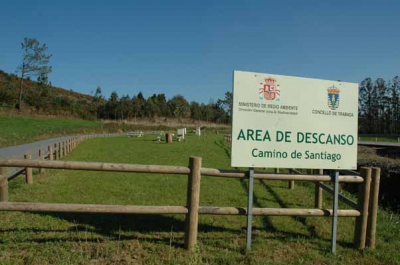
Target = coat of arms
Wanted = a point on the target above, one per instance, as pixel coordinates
(333, 97)
(269, 90)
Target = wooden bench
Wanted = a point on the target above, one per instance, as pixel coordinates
(131, 134)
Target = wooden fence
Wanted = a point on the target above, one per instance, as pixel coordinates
(365, 209)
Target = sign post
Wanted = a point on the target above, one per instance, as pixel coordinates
(293, 122)
(250, 208)
(335, 180)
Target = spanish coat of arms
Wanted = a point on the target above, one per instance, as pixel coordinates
(333, 97)
(269, 90)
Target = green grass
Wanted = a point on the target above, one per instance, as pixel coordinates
(380, 139)
(18, 130)
(29, 238)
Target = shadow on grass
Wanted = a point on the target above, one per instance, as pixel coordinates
(282, 204)
(256, 202)
(283, 235)
(120, 227)
(220, 144)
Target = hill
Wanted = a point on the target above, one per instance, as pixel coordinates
(43, 99)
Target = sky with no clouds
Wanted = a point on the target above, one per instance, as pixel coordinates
(192, 47)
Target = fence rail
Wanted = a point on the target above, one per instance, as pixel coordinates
(130, 209)
(365, 226)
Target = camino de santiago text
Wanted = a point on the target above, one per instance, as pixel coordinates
(308, 138)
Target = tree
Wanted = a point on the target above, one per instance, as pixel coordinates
(97, 97)
(150, 108)
(179, 107)
(34, 63)
(394, 112)
(195, 111)
(163, 106)
(228, 102)
(7, 96)
(112, 106)
(124, 106)
(367, 113)
(97, 102)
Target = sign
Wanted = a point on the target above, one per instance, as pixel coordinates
(198, 131)
(181, 132)
(293, 122)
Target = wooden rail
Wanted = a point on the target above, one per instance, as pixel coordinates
(91, 208)
(129, 209)
(276, 211)
(269, 176)
(94, 166)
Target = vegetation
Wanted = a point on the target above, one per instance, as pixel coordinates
(16, 130)
(40, 98)
(379, 106)
(34, 63)
(46, 238)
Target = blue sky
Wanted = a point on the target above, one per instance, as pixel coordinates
(192, 47)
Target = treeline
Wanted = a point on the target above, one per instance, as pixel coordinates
(42, 98)
(379, 106)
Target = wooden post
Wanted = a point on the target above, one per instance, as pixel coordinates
(318, 191)
(56, 156)
(28, 172)
(50, 148)
(291, 184)
(41, 157)
(373, 207)
(362, 202)
(3, 185)
(193, 200)
(60, 150)
(168, 138)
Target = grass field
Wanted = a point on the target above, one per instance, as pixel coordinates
(15, 130)
(380, 139)
(18, 129)
(28, 238)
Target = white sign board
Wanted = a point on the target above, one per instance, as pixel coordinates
(181, 133)
(292, 122)
(198, 131)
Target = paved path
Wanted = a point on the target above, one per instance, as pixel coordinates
(18, 151)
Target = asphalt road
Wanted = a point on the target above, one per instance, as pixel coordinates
(18, 151)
